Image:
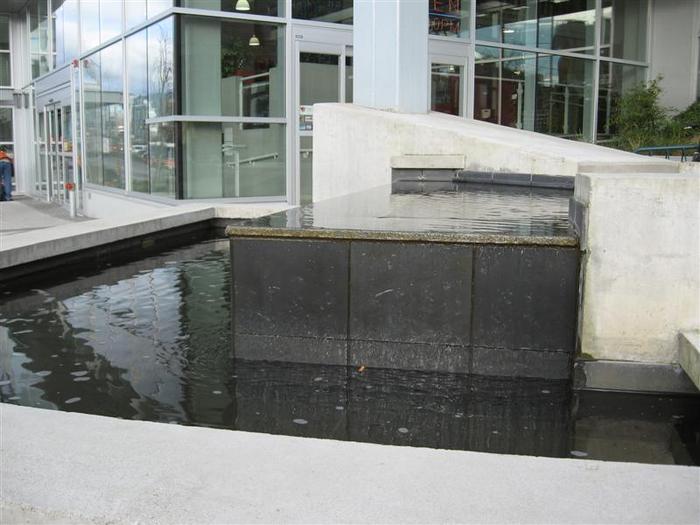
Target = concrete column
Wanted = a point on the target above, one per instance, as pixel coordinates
(391, 68)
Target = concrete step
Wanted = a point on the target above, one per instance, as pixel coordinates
(689, 355)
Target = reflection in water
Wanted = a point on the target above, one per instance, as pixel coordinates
(151, 340)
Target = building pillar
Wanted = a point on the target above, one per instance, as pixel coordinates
(391, 69)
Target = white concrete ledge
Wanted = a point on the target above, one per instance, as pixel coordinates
(69, 467)
(689, 355)
(67, 238)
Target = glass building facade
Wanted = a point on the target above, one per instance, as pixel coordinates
(213, 99)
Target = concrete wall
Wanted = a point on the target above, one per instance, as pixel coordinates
(674, 31)
(641, 266)
(353, 147)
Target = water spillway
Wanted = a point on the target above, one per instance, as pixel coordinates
(431, 276)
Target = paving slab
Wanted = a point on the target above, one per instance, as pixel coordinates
(70, 467)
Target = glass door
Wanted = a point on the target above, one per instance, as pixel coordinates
(448, 90)
(324, 74)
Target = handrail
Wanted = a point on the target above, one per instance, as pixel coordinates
(668, 149)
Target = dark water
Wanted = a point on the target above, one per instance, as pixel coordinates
(151, 340)
(473, 209)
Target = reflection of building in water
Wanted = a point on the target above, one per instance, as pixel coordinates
(135, 338)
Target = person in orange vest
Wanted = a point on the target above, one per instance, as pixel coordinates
(6, 174)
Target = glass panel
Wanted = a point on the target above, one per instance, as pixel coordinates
(110, 19)
(449, 18)
(161, 68)
(615, 79)
(5, 70)
(39, 37)
(158, 6)
(446, 89)
(565, 97)
(333, 11)
(93, 118)
(232, 68)
(65, 30)
(504, 87)
(247, 7)
(136, 12)
(624, 29)
(234, 160)
(507, 21)
(4, 33)
(5, 124)
(137, 75)
(89, 25)
(306, 156)
(348, 79)
(319, 81)
(162, 159)
(567, 25)
(58, 33)
(112, 116)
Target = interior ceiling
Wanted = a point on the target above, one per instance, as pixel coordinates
(12, 6)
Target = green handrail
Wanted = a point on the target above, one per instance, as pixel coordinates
(650, 150)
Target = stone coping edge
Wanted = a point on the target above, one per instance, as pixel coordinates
(373, 235)
(632, 376)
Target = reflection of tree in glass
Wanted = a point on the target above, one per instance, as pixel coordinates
(162, 69)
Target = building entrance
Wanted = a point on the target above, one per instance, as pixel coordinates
(324, 75)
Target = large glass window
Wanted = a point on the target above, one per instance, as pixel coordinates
(65, 30)
(449, 18)
(136, 13)
(39, 37)
(245, 7)
(565, 96)
(137, 75)
(615, 79)
(624, 29)
(112, 116)
(5, 69)
(234, 160)
(158, 6)
(232, 68)
(504, 87)
(93, 118)
(332, 11)
(568, 25)
(89, 25)
(5, 126)
(110, 19)
(446, 88)
(507, 21)
(161, 69)
(162, 159)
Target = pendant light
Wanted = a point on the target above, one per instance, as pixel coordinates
(254, 41)
(242, 5)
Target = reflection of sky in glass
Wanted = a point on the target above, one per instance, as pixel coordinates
(110, 19)
(136, 63)
(112, 68)
(89, 25)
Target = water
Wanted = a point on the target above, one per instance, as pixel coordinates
(457, 208)
(151, 340)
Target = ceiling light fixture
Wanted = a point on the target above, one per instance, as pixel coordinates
(254, 41)
(242, 5)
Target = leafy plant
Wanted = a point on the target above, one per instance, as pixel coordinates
(640, 120)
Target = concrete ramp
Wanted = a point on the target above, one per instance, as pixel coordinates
(355, 148)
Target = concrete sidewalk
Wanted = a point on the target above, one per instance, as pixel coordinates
(31, 230)
(69, 467)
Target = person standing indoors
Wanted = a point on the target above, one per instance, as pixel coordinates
(6, 174)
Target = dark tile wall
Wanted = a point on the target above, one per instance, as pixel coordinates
(484, 309)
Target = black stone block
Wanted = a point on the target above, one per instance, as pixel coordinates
(410, 292)
(553, 181)
(294, 288)
(507, 362)
(525, 297)
(405, 356)
(512, 179)
(290, 349)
